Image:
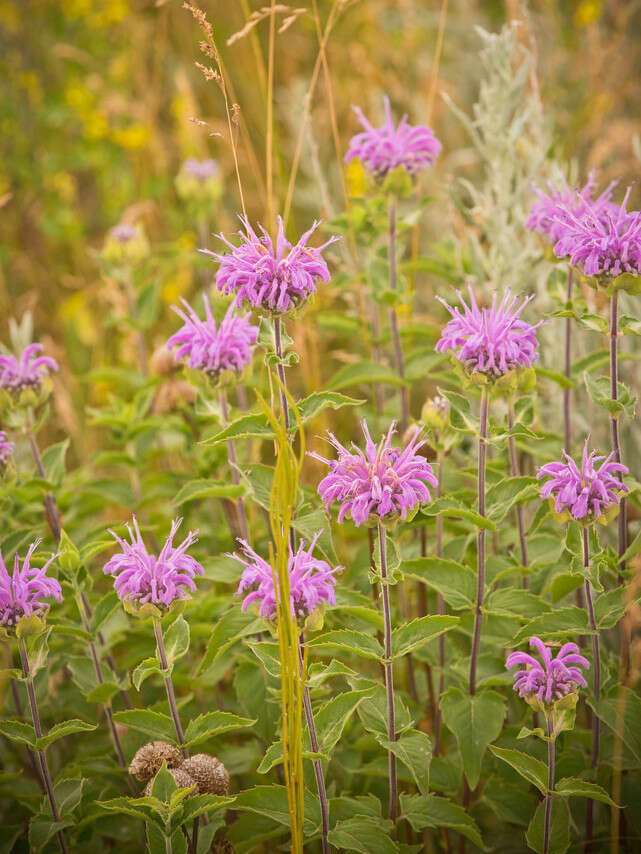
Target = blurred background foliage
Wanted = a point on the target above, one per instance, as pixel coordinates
(98, 102)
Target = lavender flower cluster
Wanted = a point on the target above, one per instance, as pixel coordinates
(22, 593)
(554, 677)
(27, 372)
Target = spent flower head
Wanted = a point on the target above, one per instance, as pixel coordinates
(274, 277)
(602, 243)
(143, 578)
(27, 372)
(550, 210)
(22, 593)
(490, 341)
(311, 581)
(587, 493)
(6, 449)
(126, 243)
(379, 483)
(551, 679)
(199, 180)
(381, 150)
(213, 348)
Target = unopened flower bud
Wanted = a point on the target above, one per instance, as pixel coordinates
(163, 362)
(435, 413)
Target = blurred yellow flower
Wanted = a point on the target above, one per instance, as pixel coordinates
(75, 311)
(587, 13)
(132, 137)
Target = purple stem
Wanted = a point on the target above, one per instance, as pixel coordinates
(548, 794)
(480, 540)
(596, 656)
(568, 369)
(318, 765)
(393, 317)
(389, 675)
(140, 335)
(169, 687)
(514, 472)
(44, 767)
(241, 510)
(441, 611)
(32, 758)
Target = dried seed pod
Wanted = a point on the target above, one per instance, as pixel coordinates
(222, 846)
(182, 778)
(145, 764)
(210, 774)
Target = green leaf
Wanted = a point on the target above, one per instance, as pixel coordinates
(148, 667)
(163, 785)
(63, 729)
(621, 712)
(364, 834)
(42, 828)
(630, 325)
(211, 724)
(435, 812)
(331, 718)
(232, 626)
(205, 488)
(271, 801)
(599, 390)
(360, 373)
(414, 750)
(530, 768)
(201, 804)
(475, 721)
(454, 581)
(564, 622)
(461, 417)
(104, 609)
(176, 640)
(147, 809)
(559, 828)
(418, 632)
(609, 608)
(501, 497)
(512, 803)
(53, 460)
(152, 723)
(454, 509)
(373, 713)
(18, 731)
(348, 640)
(573, 787)
(103, 693)
(313, 405)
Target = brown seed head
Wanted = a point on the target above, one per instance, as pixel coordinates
(210, 774)
(150, 757)
(182, 778)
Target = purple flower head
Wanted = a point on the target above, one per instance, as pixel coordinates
(22, 594)
(549, 212)
(201, 170)
(145, 578)
(381, 150)
(381, 481)
(551, 680)
(124, 232)
(27, 372)
(491, 341)
(273, 278)
(311, 581)
(6, 449)
(604, 242)
(210, 348)
(587, 493)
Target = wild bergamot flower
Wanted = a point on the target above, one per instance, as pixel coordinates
(553, 678)
(27, 372)
(22, 593)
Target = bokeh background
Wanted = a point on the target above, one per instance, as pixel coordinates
(98, 99)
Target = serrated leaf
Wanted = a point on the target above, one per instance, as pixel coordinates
(599, 390)
(63, 729)
(364, 834)
(360, 373)
(147, 809)
(104, 609)
(414, 750)
(348, 640)
(559, 828)
(563, 622)
(152, 723)
(148, 667)
(176, 640)
(476, 722)
(53, 460)
(205, 488)
(232, 626)
(450, 507)
(164, 785)
(212, 724)
(103, 693)
(271, 801)
(530, 768)
(373, 713)
(454, 581)
(331, 718)
(573, 787)
(18, 731)
(621, 712)
(418, 632)
(424, 811)
(42, 828)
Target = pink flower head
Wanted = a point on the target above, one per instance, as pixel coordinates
(491, 341)
(201, 170)
(21, 594)
(381, 150)
(586, 492)
(311, 581)
(6, 449)
(602, 243)
(124, 232)
(272, 278)
(549, 212)
(554, 678)
(211, 348)
(381, 481)
(143, 577)
(27, 372)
